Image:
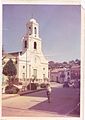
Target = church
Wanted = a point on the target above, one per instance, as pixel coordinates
(30, 62)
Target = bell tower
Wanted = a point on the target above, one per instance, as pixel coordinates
(36, 64)
(33, 28)
(34, 41)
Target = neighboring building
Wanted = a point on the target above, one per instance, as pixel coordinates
(60, 75)
(30, 62)
(75, 72)
(65, 74)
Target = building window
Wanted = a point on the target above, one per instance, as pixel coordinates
(35, 72)
(23, 67)
(35, 45)
(25, 44)
(43, 68)
(43, 76)
(35, 30)
(29, 30)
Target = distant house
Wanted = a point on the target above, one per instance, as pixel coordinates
(75, 72)
(60, 75)
(65, 74)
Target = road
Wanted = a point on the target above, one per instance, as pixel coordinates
(63, 102)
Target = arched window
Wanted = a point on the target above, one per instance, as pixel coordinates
(25, 44)
(35, 30)
(30, 31)
(35, 45)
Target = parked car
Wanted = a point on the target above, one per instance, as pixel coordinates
(74, 83)
(43, 85)
(66, 84)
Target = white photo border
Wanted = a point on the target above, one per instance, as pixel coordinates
(56, 2)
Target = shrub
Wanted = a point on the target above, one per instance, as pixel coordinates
(11, 89)
(20, 83)
(9, 69)
(37, 84)
(43, 85)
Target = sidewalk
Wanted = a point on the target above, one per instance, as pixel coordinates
(6, 96)
(30, 91)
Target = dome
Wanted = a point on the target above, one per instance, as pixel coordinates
(33, 20)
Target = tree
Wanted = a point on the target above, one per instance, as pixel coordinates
(9, 69)
(77, 61)
(51, 65)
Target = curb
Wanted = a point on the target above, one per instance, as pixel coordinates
(32, 91)
(22, 93)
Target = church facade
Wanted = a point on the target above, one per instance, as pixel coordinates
(30, 62)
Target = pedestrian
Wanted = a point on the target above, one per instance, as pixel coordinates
(48, 92)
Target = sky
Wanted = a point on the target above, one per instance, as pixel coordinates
(59, 26)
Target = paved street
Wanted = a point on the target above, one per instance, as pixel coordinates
(63, 101)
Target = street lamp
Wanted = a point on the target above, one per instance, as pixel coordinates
(26, 46)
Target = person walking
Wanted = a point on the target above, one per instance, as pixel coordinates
(48, 92)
